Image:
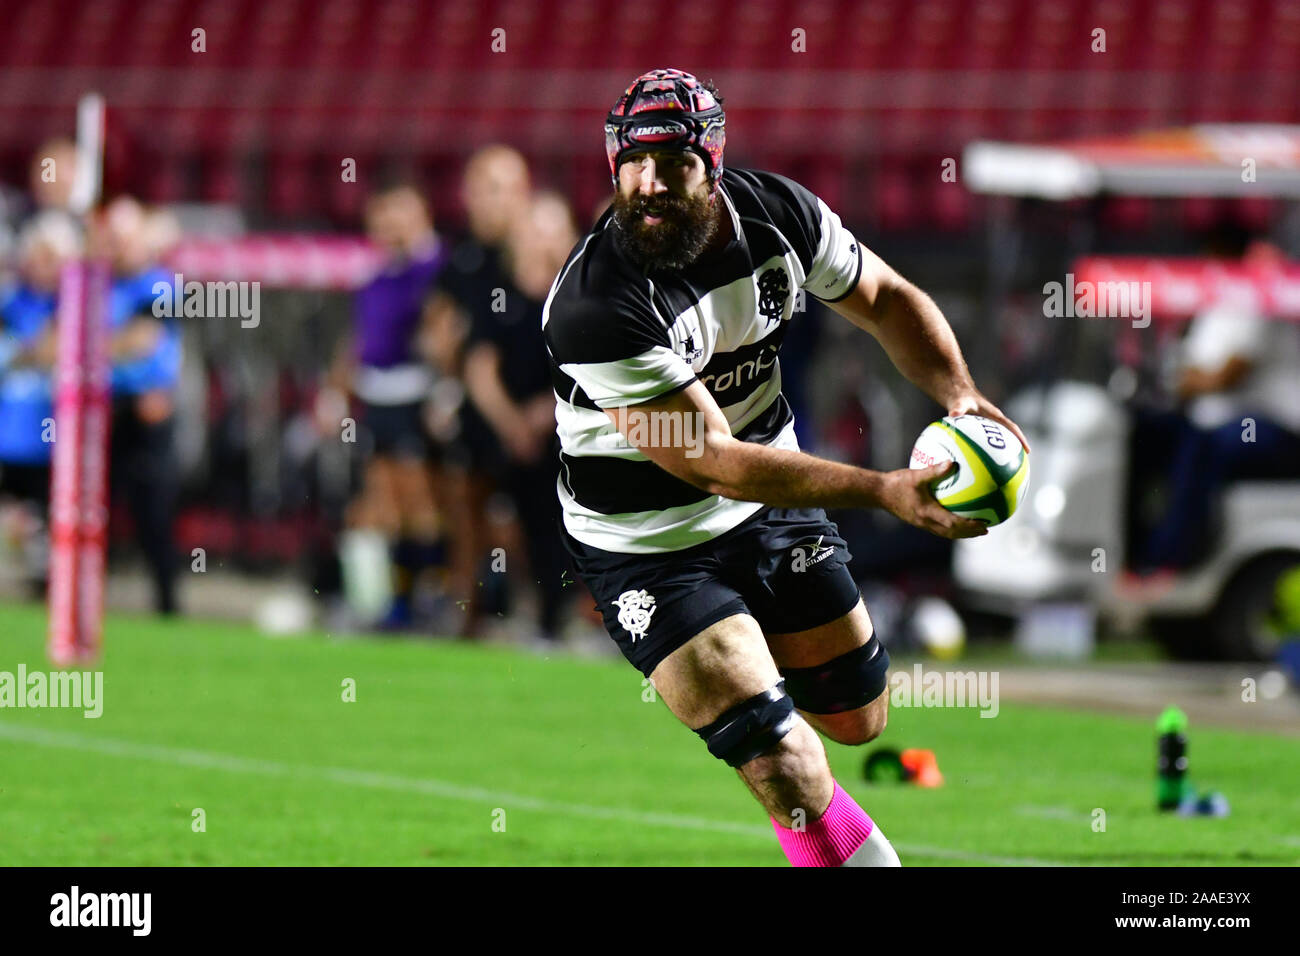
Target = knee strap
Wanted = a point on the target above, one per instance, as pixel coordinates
(843, 683)
(751, 727)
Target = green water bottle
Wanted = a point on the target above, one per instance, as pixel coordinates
(1172, 784)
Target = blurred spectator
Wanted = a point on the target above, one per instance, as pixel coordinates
(508, 384)
(381, 366)
(1239, 384)
(146, 359)
(51, 175)
(495, 192)
(27, 313)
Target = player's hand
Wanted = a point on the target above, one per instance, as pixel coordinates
(539, 414)
(523, 443)
(42, 353)
(908, 495)
(975, 403)
(139, 338)
(154, 406)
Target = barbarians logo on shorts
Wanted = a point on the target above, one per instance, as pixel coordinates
(635, 609)
(804, 556)
(773, 288)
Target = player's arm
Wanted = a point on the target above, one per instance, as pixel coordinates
(712, 459)
(443, 330)
(511, 421)
(917, 338)
(136, 339)
(40, 351)
(1195, 380)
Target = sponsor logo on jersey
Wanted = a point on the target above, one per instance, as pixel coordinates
(743, 373)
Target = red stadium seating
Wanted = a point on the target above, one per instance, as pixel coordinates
(285, 90)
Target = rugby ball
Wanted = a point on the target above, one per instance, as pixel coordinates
(992, 471)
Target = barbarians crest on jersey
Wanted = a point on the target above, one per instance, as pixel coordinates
(635, 608)
(773, 288)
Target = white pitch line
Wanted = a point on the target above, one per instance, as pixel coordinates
(207, 760)
(1054, 813)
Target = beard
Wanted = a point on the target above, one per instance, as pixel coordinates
(688, 225)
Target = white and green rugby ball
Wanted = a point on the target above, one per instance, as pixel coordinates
(992, 471)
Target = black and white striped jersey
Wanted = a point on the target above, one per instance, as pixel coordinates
(619, 336)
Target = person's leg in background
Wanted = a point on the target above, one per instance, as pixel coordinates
(144, 467)
(417, 532)
(1153, 439)
(24, 521)
(1205, 460)
(1272, 453)
(533, 489)
(465, 492)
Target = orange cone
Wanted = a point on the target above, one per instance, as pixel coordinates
(922, 768)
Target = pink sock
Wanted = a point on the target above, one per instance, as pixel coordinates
(831, 838)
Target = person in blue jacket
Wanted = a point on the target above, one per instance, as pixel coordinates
(27, 313)
(146, 357)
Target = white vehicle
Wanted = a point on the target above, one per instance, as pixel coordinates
(1067, 542)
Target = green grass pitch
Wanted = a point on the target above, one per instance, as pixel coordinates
(563, 755)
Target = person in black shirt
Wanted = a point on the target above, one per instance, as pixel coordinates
(508, 384)
(495, 193)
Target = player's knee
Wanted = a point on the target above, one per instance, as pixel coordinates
(751, 728)
(847, 693)
(859, 726)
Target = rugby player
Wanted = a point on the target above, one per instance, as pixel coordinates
(708, 552)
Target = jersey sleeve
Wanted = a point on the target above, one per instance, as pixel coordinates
(837, 261)
(831, 256)
(616, 355)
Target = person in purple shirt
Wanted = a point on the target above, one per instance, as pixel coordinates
(381, 366)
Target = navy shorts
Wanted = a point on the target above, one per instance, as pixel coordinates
(786, 567)
(396, 431)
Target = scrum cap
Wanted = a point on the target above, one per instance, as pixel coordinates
(666, 109)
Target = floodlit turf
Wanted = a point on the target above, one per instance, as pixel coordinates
(445, 739)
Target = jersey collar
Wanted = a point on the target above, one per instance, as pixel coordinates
(737, 236)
